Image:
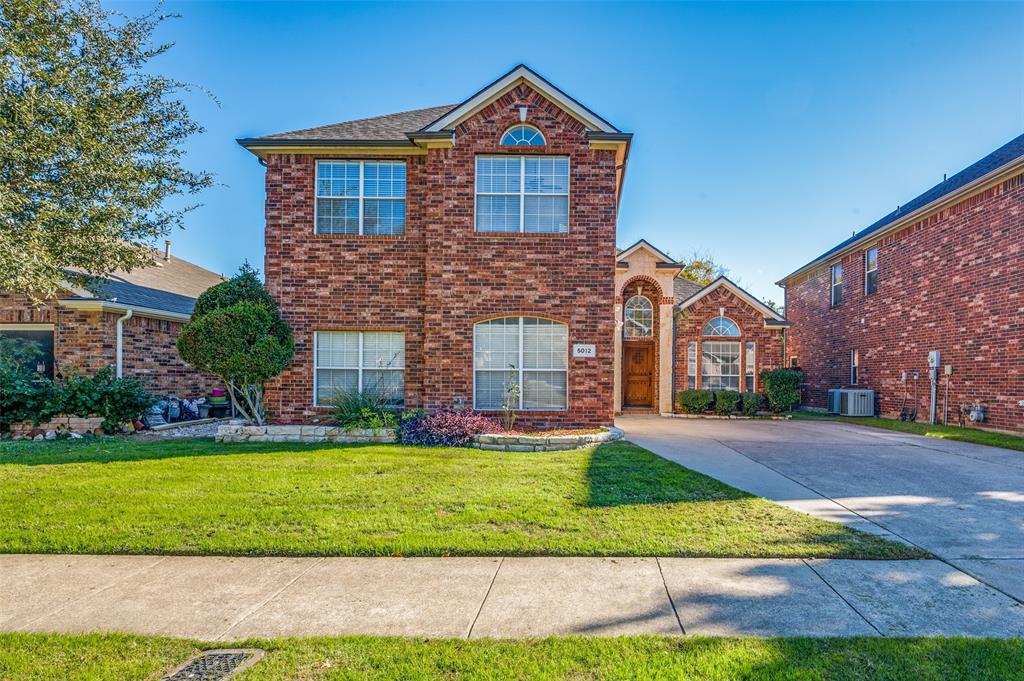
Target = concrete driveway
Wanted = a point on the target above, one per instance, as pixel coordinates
(962, 502)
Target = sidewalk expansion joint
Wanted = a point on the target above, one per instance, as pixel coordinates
(490, 586)
(272, 596)
(842, 598)
(668, 593)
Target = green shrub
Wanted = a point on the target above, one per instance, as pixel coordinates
(751, 403)
(365, 410)
(726, 402)
(695, 401)
(782, 388)
(25, 398)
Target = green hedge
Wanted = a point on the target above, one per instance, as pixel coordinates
(782, 388)
(695, 401)
(726, 402)
(751, 403)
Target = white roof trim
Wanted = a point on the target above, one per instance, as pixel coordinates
(740, 293)
(508, 81)
(98, 305)
(643, 244)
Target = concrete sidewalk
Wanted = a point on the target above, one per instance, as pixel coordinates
(213, 598)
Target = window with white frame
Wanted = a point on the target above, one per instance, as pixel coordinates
(360, 197)
(530, 352)
(720, 365)
(691, 365)
(750, 362)
(358, 362)
(721, 326)
(522, 194)
(639, 318)
(854, 366)
(523, 136)
(871, 270)
(837, 283)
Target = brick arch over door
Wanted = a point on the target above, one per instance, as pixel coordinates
(648, 288)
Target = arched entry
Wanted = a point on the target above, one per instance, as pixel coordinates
(640, 346)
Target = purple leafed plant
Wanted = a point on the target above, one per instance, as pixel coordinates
(446, 428)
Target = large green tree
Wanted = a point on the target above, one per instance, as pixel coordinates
(701, 268)
(91, 143)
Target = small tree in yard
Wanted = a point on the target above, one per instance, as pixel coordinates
(237, 334)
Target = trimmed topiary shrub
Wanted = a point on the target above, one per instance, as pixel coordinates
(726, 402)
(751, 403)
(695, 401)
(446, 428)
(782, 388)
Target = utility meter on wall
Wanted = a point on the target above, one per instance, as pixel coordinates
(933, 359)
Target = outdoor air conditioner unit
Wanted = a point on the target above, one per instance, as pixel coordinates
(857, 402)
(833, 401)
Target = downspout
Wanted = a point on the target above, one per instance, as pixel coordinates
(120, 343)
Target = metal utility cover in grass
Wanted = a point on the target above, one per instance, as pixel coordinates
(214, 665)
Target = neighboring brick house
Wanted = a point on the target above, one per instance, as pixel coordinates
(446, 253)
(78, 330)
(943, 272)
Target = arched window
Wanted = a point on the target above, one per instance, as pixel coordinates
(523, 136)
(639, 318)
(520, 363)
(721, 326)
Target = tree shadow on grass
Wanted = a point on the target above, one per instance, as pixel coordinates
(122, 449)
(623, 474)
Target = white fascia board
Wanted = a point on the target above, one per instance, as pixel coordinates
(510, 80)
(644, 244)
(97, 305)
(740, 293)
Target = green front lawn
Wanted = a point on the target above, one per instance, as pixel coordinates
(95, 657)
(119, 495)
(973, 435)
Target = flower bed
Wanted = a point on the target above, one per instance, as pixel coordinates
(541, 442)
(240, 433)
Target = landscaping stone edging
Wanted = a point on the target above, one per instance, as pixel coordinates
(74, 426)
(234, 432)
(733, 417)
(500, 442)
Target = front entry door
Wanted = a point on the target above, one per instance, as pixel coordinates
(639, 375)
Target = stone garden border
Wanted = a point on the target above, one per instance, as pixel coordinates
(500, 442)
(235, 432)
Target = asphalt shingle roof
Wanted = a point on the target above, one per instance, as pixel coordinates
(1010, 151)
(683, 288)
(171, 285)
(389, 128)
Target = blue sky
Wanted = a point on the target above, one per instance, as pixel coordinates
(764, 133)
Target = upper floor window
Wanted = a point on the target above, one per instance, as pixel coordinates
(523, 136)
(527, 353)
(360, 197)
(522, 194)
(639, 321)
(837, 283)
(871, 270)
(854, 366)
(721, 326)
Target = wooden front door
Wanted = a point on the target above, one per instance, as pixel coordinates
(638, 367)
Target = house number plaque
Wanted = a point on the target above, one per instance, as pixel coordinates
(584, 350)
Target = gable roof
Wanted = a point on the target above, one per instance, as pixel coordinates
(170, 285)
(520, 74)
(644, 244)
(1003, 156)
(725, 282)
(388, 129)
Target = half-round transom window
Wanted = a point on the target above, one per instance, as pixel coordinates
(523, 136)
(721, 326)
(639, 318)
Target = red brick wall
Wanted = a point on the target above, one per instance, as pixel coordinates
(690, 324)
(952, 282)
(440, 277)
(85, 342)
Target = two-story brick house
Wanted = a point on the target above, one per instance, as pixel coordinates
(448, 253)
(942, 273)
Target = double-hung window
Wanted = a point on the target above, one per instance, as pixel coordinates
(358, 362)
(854, 366)
(750, 364)
(522, 194)
(837, 284)
(691, 365)
(720, 365)
(527, 352)
(871, 270)
(360, 197)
